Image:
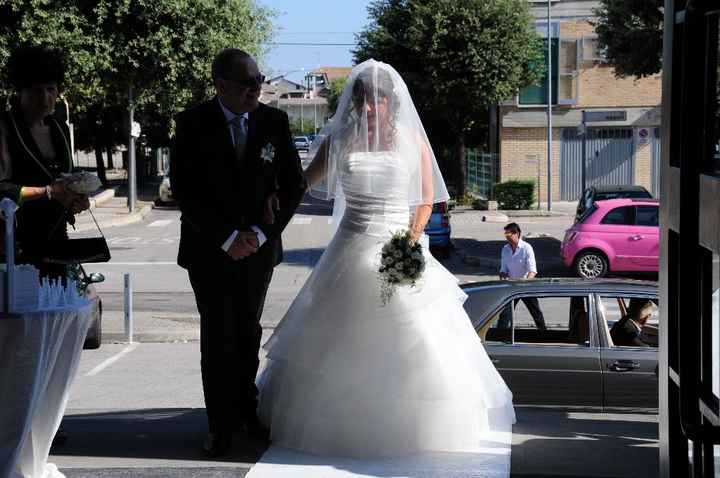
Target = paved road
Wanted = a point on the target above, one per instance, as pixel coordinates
(137, 410)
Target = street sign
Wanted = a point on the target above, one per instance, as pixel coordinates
(603, 116)
(135, 130)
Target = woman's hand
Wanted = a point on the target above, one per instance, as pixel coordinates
(70, 200)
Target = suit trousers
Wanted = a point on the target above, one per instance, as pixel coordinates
(533, 306)
(230, 301)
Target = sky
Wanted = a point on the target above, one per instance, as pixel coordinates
(313, 21)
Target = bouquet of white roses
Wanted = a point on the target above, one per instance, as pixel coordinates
(402, 263)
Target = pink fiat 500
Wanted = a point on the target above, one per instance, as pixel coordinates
(616, 235)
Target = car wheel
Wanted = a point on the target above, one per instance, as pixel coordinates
(591, 265)
(94, 335)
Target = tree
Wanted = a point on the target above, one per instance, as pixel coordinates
(458, 58)
(630, 33)
(333, 94)
(162, 50)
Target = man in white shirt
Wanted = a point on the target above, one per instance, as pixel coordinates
(518, 262)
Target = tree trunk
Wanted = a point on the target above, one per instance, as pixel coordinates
(459, 165)
(109, 150)
(100, 163)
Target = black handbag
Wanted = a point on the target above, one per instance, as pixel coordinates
(81, 250)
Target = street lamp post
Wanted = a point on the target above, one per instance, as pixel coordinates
(549, 108)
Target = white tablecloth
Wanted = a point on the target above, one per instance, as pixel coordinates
(39, 355)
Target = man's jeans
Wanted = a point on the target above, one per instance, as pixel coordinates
(533, 306)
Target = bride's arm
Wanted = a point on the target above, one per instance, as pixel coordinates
(424, 209)
(317, 169)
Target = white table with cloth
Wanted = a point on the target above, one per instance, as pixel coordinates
(39, 356)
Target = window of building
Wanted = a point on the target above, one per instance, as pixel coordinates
(564, 79)
(624, 216)
(713, 162)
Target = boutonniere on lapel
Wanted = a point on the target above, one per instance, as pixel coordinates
(268, 154)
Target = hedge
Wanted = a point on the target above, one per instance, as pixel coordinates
(515, 194)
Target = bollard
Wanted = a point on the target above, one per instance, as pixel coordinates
(128, 309)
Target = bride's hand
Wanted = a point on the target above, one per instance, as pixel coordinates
(415, 235)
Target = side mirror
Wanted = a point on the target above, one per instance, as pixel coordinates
(95, 278)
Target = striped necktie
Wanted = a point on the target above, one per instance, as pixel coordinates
(239, 131)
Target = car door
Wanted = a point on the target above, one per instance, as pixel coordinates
(546, 368)
(617, 229)
(646, 238)
(630, 373)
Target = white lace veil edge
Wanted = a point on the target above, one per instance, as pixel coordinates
(360, 128)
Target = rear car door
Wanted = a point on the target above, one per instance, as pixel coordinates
(630, 373)
(559, 366)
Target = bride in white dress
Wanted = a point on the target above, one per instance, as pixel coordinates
(345, 374)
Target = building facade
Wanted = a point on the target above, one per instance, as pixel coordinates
(625, 150)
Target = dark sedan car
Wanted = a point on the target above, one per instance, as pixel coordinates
(85, 282)
(574, 362)
(600, 193)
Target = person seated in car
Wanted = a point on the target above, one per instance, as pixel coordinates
(627, 330)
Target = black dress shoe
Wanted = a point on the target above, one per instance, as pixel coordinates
(255, 430)
(217, 444)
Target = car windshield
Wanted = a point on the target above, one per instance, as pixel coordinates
(622, 194)
(587, 213)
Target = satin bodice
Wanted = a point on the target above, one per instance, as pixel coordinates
(375, 187)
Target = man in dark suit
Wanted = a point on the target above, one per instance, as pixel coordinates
(627, 331)
(231, 158)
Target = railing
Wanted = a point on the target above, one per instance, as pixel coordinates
(480, 173)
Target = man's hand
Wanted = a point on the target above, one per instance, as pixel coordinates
(272, 205)
(245, 244)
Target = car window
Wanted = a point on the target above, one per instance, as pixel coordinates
(624, 215)
(540, 321)
(613, 309)
(646, 216)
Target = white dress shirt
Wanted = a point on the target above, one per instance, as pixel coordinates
(518, 264)
(229, 116)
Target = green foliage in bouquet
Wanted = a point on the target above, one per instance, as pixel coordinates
(402, 263)
(515, 194)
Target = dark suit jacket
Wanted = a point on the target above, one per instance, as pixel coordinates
(219, 193)
(624, 333)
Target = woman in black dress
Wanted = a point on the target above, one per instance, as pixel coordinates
(36, 151)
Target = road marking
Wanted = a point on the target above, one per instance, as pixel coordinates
(159, 263)
(111, 360)
(160, 223)
(302, 220)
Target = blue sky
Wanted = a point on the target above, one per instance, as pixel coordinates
(313, 21)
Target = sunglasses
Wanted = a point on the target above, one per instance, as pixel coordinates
(247, 83)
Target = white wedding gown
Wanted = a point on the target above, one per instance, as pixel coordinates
(346, 376)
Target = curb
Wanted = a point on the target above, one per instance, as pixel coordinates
(102, 197)
(123, 220)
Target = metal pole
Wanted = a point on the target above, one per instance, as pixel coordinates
(128, 309)
(549, 110)
(8, 212)
(583, 154)
(132, 185)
